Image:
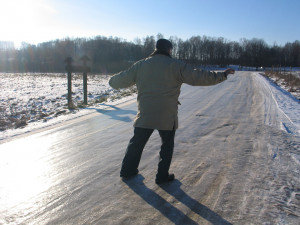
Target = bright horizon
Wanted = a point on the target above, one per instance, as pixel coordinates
(37, 21)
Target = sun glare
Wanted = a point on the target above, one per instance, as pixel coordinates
(24, 20)
(24, 170)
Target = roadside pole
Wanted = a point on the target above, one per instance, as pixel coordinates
(69, 69)
(85, 69)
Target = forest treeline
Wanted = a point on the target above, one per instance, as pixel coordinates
(109, 55)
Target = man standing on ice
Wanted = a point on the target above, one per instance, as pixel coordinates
(158, 79)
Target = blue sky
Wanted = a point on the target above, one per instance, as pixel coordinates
(35, 21)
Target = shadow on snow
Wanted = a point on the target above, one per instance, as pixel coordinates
(117, 113)
(167, 209)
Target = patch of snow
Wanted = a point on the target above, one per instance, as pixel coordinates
(286, 103)
(33, 101)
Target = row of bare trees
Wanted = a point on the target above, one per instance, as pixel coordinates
(110, 55)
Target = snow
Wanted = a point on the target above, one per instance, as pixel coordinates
(232, 163)
(41, 100)
(286, 103)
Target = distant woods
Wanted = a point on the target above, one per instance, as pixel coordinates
(110, 55)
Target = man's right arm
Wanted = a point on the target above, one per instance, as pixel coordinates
(124, 79)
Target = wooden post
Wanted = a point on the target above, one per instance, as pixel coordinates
(84, 59)
(69, 69)
(280, 70)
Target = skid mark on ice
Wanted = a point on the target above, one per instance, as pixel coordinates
(212, 194)
(224, 128)
(196, 174)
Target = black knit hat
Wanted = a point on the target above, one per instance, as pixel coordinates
(163, 44)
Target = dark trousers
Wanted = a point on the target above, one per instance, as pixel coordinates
(135, 149)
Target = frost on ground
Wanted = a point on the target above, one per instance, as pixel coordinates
(38, 100)
(233, 164)
(289, 81)
(30, 98)
(287, 104)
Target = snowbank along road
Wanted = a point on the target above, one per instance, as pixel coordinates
(236, 161)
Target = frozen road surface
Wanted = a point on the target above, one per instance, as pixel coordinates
(236, 161)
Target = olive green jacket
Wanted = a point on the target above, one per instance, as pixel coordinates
(158, 79)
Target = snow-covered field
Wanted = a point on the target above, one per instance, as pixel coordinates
(295, 91)
(34, 100)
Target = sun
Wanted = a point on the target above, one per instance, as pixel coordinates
(24, 20)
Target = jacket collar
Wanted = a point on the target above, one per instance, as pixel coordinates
(160, 52)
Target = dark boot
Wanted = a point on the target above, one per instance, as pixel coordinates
(169, 178)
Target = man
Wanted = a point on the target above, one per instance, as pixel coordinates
(158, 79)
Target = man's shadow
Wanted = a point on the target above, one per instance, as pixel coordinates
(174, 189)
(117, 113)
(167, 209)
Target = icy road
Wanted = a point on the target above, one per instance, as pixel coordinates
(236, 161)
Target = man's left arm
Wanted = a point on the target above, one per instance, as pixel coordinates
(198, 77)
(229, 71)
